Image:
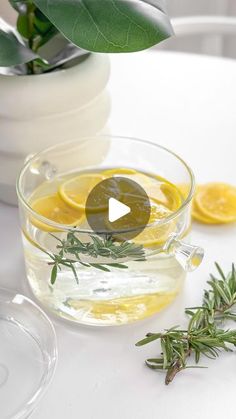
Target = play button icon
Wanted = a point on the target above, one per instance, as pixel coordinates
(116, 210)
(118, 206)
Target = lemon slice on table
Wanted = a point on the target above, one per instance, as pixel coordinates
(217, 201)
(156, 235)
(55, 209)
(75, 191)
(198, 215)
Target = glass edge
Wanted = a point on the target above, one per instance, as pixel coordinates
(32, 402)
(63, 227)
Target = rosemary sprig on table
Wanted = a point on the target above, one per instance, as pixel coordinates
(71, 249)
(203, 336)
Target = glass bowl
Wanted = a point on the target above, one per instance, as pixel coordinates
(28, 354)
(110, 295)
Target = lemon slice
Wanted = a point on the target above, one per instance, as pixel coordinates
(75, 191)
(217, 201)
(156, 235)
(131, 174)
(199, 216)
(183, 189)
(119, 171)
(170, 196)
(159, 189)
(152, 235)
(156, 187)
(55, 209)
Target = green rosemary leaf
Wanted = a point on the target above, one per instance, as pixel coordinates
(99, 266)
(74, 272)
(155, 360)
(153, 366)
(54, 274)
(71, 248)
(165, 353)
(220, 271)
(150, 338)
(117, 265)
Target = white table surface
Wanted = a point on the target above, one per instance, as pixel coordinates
(187, 103)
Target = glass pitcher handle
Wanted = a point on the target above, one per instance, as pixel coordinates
(188, 256)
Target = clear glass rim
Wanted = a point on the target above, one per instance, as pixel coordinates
(64, 227)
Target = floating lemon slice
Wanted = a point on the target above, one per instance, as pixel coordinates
(151, 236)
(143, 306)
(156, 235)
(55, 209)
(217, 201)
(156, 187)
(131, 174)
(75, 191)
(183, 189)
(159, 189)
(170, 196)
(119, 171)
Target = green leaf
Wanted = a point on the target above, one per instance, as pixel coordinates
(99, 266)
(150, 338)
(12, 52)
(54, 274)
(109, 25)
(23, 26)
(117, 265)
(220, 271)
(74, 272)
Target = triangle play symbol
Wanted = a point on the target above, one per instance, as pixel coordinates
(116, 210)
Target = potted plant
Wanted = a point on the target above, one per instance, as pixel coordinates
(51, 78)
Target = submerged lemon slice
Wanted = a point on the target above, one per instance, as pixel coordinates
(119, 171)
(156, 235)
(55, 209)
(156, 187)
(217, 202)
(140, 306)
(75, 191)
(160, 190)
(172, 196)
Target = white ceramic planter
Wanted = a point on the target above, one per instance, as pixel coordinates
(40, 111)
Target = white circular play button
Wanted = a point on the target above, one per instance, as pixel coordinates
(118, 206)
(116, 210)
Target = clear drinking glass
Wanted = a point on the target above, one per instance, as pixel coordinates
(86, 294)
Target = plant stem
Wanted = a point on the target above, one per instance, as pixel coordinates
(177, 367)
(31, 41)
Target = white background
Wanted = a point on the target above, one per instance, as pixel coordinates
(188, 104)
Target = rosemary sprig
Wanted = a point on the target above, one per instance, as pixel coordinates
(203, 336)
(72, 248)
